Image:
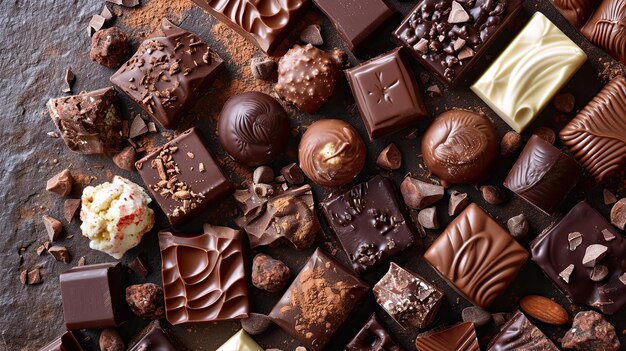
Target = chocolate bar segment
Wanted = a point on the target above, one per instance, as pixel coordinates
(169, 70)
(65, 342)
(597, 135)
(564, 252)
(319, 301)
(386, 94)
(477, 256)
(152, 338)
(521, 334)
(204, 276)
(373, 336)
(373, 210)
(460, 337)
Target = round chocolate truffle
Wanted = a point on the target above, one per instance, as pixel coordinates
(331, 152)
(109, 47)
(253, 128)
(460, 147)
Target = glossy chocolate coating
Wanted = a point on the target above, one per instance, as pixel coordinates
(373, 210)
(204, 276)
(521, 334)
(253, 128)
(542, 175)
(65, 342)
(169, 70)
(152, 338)
(373, 337)
(477, 256)
(577, 12)
(460, 337)
(551, 251)
(597, 135)
(386, 94)
(331, 152)
(460, 147)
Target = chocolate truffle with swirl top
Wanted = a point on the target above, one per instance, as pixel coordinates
(460, 147)
(253, 128)
(331, 153)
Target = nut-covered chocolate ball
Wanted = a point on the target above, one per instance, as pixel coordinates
(253, 128)
(109, 47)
(460, 147)
(331, 152)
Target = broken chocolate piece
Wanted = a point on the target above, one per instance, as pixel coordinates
(146, 300)
(53, 227)
(608, 236)
(109, 47)
(458, 202)
(262, 175)
(457, 14)
(262, 68)
(34, 277)
(590, 331)
(126, 159)
(428, 218)
(594, 254)
(60, 253)
(293, 174)
(390, 158)
(418, 194)
(312, 35)
(269, 274)
(138, 267)
(574, 239)
(567, 273)
(110, 340)
(138, 127)
(68, 80)
(70, 208)
(61, 183)
(609, 197)
(518, 226)
(618, 214)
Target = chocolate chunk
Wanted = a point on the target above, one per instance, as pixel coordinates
(428, 218)
(618, 214)
(458, 337)
(312, 34)
(262, 174)
(390, 158)
(418, 194)
(146, 300)
(564, 102)
(68, 80)
(433, 91)
(106, 13)
(126, 159)
(609, 197)
(95, 24)
(590, 331)
(593, 254)
(65, 342)
(458, 202)
(70, 208)
(34, 277)
(519, 333)
(109, 47)
(137, 266)
(152, 337)
(574, 239)
(494, 195)
(110, 340)
(60, 253)
(53, 227)
(81, 261)
(567, 273)
(599, 273)
(478, 316)
(373, 336)
(262, 68)
(457, 14)
(269, 274)
(61, 183)
(256, 323)
(138, 127)
(518, 226)
(510, 143)
(23, 277)
(293, 174)
(608, 236)
(546, 134)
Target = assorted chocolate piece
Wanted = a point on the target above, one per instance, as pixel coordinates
(319, 301)
(152, 338)
(167, 73)
(146, 300)
(93, 296)
(527, 74)
(542, 175)
(448, 37)
(477, 256)
(65, 342)
(385, 92)
(184, 177)
(241, 341)
(60, 183)
(331, 152)
(590, 331)
(597, 135)
(373, 337)
(573, 252)
(109, 47)
(269, 274)
(460, 147)
(204, 276)
(90, 122)
(373, 210)
(418, 194)
(460, 337)
(409, 299)
(253, 128)
(519, 333)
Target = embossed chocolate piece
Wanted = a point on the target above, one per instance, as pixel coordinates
(386, 94)
(152, 338)
(477, 256)
(331, 152)
(253, 128)
(373, 336)
(65, 342)
(550, 252)
(204, 276)
(460, 147)
(577, 12)
(597, 135)
(409, 299)
(319, 301)
(605, 28)
(542, 175)
(169, 70)
(460, 337)
(373, 210)
(521, 334)
(263, 22)
(448, 37)
(525, 77)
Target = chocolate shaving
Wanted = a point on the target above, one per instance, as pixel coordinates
(567, 273)
(593, 254)
(599, 273)
(458, 14)
(608, 236)
(574, 239)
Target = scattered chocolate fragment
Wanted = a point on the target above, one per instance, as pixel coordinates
(262, 175)
(256, 323)
(81, 261)
(593, 254)
(546, 134)
(110, 340)
(125, 3)
(457, 14)
(95, 24)
(146, 300)
(262, 68)
(609, 197)
(68, 80)
(510, 143)
(34, 277)
(293, 174)
(312, 34)
(564, 102)
(61, 183)
(567, 273)
(608, 236)
(390, 158)
(618, 214)
(23, 277)
(599, 273)
(109, 47)
(590, 331)
(70, 208)
(433, 91)
(126, 159)
(518, 226)
(574, 239)
(138, 127)
(501, 318)
(458, 202)
(40, 250)
(428, 218)
(106, 13)
(60, 253)
(418, 194)
(494, 195)
(476, 315)
(138, 267)
(53, 227)
(269, 274)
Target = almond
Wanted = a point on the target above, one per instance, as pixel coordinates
(544, 309)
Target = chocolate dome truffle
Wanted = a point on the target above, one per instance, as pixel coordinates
(307, 77)
(253, 128)
(331, 152)
(460, 147)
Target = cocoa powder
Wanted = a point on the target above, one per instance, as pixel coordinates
(149, 15)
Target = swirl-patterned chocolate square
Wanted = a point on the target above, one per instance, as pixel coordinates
(386, 94)
(521, 334)
(204, 276)
(477, 256)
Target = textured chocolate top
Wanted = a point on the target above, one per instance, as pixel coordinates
(65, 342)
(597, 135)
(520, 334)
(460, 337)
(542, 175)
(89, 122)
(477, 256)
(373, 337)
(168, 71)
(386, 94)
(318, 301)
(151, 338)
(553, 252)
(577, 12)
(204, 276)
(460, 147)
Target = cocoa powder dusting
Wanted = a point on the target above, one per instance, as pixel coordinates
(149, 14)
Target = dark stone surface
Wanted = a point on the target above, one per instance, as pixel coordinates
(41, 38)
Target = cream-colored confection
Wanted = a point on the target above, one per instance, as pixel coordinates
(241, 341)
(115, 216)
(525, 77)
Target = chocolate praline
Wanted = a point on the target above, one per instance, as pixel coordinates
(460, 147)
(253, 128)
(331, 152)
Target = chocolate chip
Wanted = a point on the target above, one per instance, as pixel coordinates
(126, 159)
(292, 174)
(618, 214)
(390, 158)
(564, 102)
(269, 274)
(418, 194)
(138, 267)
(465, 53)
(518, 226)
(110, 340)
(567, 273)
(70, 207)
(68, 80)
(34, 277)
(138, 127)
(478, 316)
(494, 195)
(546, 134)
(60, 184)
(256, 323)
(433, 91)
(312, 35)
(458, 202)
(574, 239)
(594, 254)
(53, 227)
(428, 218)
(262, 68)
(60, 253)
(609, 197)
(510, 143)
(599, 273)
(458, 14)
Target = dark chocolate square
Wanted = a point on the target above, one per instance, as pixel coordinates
(152, 338)
(386, 94)
(167, 73)
(542, 175)
(457, 337)
(373, 336)
(319, 301)
(65, 342)
(552, 251)
(184, 177)
(370, 223)
(521, 334)
(93, 296)
(477, 256)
